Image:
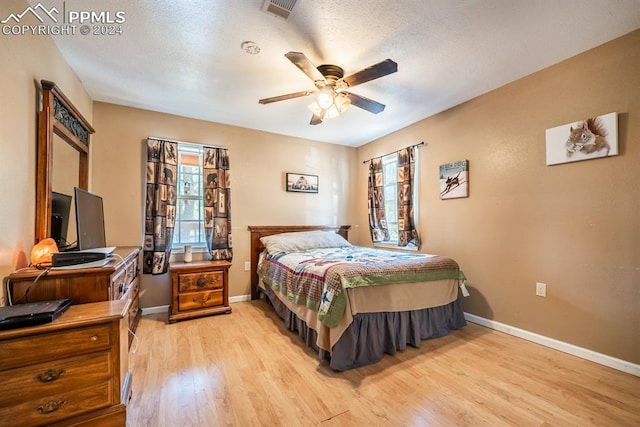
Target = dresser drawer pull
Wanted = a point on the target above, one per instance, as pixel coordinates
(94, 338)
(50, 375)
(202, 282)
(202, 300)
(50, 406)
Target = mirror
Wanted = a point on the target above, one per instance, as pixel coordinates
(62, 155)
(65, 171)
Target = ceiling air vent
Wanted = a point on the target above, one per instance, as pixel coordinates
(280, 8)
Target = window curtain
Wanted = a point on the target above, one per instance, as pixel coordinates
(160, 208)
(217, 202)
(407, 233)
(377, 219)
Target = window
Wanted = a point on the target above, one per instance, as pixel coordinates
(390, 173)
(189, 229)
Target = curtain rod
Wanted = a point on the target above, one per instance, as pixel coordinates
(184, 142)
(411, 146)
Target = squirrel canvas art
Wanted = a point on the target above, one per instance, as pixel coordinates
(588, 139)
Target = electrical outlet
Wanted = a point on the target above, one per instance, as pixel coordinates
(247, 266)
(541, 289)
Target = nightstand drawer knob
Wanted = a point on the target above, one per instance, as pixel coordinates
(50, 375)
(94, 338)
(50, 406)
(202, 282)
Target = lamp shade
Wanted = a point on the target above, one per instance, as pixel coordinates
(43, 251)
(325, 97)
(342, 102)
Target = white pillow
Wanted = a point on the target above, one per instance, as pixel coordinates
(302, 241)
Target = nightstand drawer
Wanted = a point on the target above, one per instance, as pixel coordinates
(193, 282)
(34, 349)
(195, 300)
(199, 288)
(57, 407)
(54, 377)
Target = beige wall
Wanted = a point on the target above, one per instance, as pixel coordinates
(572, 226)
(258, 160)
(25, 61)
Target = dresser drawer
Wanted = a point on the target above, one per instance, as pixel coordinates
(132, 271)
(195, 300)
(190, 282)
(34, 349)
(118, 283)
(133, 312)
(52, 378)
(56, 407)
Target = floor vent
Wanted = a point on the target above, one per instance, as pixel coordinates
(280, 8)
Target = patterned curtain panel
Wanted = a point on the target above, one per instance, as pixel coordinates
(377, 219)
(217, 203)
(160, 211)
(407, 233)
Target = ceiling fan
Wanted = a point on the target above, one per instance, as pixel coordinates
(333, 97)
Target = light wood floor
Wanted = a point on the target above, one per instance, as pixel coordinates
(245, 369)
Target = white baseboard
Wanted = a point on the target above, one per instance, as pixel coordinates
(239, 298)
(165, 308)
(583, 353)
(155, 310)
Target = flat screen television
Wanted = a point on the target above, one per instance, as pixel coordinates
(89, 220)
(60, 211)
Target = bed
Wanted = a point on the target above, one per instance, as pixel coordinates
(353, 304)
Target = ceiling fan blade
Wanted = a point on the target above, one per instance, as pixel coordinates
(316, 119)
(373, 72)
(301, 61)
(365, 103)
(285, 97)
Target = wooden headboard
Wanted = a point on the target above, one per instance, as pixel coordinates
(258, 231)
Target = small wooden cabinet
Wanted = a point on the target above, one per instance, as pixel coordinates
(72, 371)
(117, 280)
(199, 288)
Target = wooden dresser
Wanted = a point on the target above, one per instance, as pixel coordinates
(116, 280)
(72, 371)
(199, 288)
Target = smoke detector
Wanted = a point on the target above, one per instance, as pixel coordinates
(279, 8)
(250, 47)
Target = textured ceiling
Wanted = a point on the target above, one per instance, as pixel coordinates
(185, 57)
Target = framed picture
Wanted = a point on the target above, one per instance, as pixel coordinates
(454, 180)
(302, 183)
(589, 138)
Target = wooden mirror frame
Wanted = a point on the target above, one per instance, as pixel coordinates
(60, 117)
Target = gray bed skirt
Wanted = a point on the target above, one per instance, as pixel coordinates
(371, 335)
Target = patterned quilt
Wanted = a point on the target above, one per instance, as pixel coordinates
(318, 278)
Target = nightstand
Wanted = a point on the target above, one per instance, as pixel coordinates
(199, 288)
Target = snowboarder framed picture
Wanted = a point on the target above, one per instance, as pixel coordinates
(302, 183)
(590, 138)
(454, 180)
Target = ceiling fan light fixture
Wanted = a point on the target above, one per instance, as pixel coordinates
(315, 108)
(325, 97)
(342, 102)
(331, 112)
